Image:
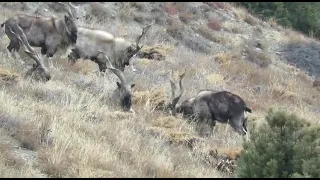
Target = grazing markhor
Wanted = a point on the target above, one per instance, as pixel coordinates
(91, 41)
(210, 106)
(49, 33)
(123, 94)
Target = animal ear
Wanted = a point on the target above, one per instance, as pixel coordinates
(118, 84)
(132, 85)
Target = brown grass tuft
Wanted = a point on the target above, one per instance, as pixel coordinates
(170, 8)
(221, 5)
(207, 33)
(156, 52)
(6, 75)
(250, 20)
(99, 12)
(156, 99)
(316, 82)
(81, 66)
(175, 28)
(56, 168)
(186, 17)
(258, 57)
(214, 24)
(7, 153)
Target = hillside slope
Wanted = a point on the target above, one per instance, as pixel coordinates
(67, 127)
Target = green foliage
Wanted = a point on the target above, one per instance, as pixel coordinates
(302, 16)
(285, 147)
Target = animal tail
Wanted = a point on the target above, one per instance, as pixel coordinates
(247, 109)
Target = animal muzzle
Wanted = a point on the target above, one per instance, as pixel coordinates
(73, 38)
(126, 103)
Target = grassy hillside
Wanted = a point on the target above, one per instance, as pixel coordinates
(67, 127)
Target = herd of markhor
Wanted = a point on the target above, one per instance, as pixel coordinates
(54, 34)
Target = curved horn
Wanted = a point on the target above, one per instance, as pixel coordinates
(117, 72)
(67, 9)
(144, 31)
(131, 62)
(173, 86)
(27, 48)
(176, 99)
(74, 6)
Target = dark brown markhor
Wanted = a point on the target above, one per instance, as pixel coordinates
(211, 106)
(49, 33)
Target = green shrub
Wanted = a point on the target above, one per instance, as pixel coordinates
(302, 16)
(286, 147)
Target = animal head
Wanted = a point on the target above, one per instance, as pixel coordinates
(71, 28)
(186, 107)
(38, 71)
(175, 99)
(134, 48)
(69, 20)
(125, 95)
(124, 90)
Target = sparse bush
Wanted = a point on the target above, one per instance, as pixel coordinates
(181, 6)
(207, 33)
(157, 52)
(232, 27)
(214, 24)
(139, 5)
(170, 9)
(221, 5)
(175, 28)
(258, 29)
(260, 58)
(316, 82)
(284, 148)
(250, 20)
(99, 11)
(186, 16)
(125, 11)
(139, 17)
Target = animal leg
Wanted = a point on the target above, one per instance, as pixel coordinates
(131, 64)
(101, 64)
(212, 124)
(13, 45)
(50, 53)
(73, 56)
(44, 50)
(237, 125)
(244, 126)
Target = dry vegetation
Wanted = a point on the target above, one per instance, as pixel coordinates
(67, 128)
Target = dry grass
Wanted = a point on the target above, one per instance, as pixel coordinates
(99, 12)
(156, 52)
(250, 20)
(215, 36)
(214, 24)
(261, 58)
(186, 17)
(293, 37)
(170, 8)
(232, 27)
(69, 128)
(175, 28)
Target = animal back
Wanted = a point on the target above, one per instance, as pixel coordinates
(96, 34)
